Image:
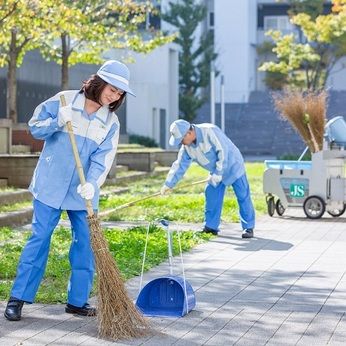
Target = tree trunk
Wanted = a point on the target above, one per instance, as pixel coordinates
(11, 93)
(64, 60)
(307, 78)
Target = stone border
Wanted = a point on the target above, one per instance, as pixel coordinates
(7, 198)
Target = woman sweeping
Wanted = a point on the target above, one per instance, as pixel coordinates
(55, 184)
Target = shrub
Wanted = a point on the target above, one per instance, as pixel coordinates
(143, 140)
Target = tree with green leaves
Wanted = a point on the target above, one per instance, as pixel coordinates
(86, 29)
(69, 32)
(6, 9)
(23, 23)
(307, 64)
(194, 64)
(277, 80)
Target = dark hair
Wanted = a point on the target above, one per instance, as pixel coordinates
(92, 89)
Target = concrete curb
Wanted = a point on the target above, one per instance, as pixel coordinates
(16, 218)
(7, 198)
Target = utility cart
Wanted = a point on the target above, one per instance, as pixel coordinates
(318, 185)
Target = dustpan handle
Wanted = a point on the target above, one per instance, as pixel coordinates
(144, 257)
(170, 253)
(170, 259)
(164, 224)
(183, 271)
(169, 247)
(79, 165)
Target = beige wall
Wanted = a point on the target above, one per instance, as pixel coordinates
(5, 136)
(17, 169)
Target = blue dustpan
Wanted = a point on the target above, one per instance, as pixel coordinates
(167, 296)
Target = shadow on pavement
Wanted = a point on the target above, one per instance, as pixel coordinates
(255, 244)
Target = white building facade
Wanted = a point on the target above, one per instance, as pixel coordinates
(154, 79)
(235, 38)
(239, 27)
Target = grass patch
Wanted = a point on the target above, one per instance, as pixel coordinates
(126, 246)
(184, 205)
(15, 206)
(8, 189)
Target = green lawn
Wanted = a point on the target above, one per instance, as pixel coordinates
(183, 205)
(126, 246)
(8, 189)
(186, 204)
(15, 206)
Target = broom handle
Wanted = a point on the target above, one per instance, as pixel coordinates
(129, 204)
(77, 158)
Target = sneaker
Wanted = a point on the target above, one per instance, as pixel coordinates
(85, 310)
(207, 229)
(247, 233)
(13, 310)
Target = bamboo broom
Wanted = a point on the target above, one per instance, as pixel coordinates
(117, 316)
(307, 114)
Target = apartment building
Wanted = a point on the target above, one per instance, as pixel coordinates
(239, 28)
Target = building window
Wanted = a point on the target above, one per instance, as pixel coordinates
(211, 19)
(281, 23)
(163, 128)
(152, 20)
(211, 33)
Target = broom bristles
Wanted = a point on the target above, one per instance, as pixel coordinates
(294, 105)
(117, 316)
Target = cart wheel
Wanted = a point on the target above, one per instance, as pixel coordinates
(337, 212)
(314, 207)
(279, 208)
(270, 205)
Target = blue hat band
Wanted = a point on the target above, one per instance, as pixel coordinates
(113, 76)
(116, 80)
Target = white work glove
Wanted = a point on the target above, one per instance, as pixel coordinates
(215, 179)
(65, 115)
(165, 189)
(87, 191)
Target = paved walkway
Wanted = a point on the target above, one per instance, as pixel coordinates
(287, 286)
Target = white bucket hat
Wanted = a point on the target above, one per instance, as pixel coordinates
(117, 74)
(178, 130)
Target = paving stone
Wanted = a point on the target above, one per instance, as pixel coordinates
(286, 286)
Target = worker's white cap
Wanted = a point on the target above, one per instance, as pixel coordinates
(117, 74)
(178, 130)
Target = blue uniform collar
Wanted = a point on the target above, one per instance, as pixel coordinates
(78, 105)
(198, 136)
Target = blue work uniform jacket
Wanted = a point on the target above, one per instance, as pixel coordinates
(212, 150)
(55, 178)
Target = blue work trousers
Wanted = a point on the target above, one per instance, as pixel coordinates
(32, 263)
(214, 201)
